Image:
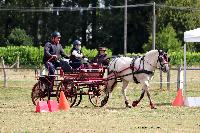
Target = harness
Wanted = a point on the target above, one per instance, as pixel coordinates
(138, 71)
(132, 67)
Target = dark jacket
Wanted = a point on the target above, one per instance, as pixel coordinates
(73, 58)
(53, 49)
(101, 59)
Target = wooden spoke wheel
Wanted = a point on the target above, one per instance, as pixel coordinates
(69, 89)
(98, 95)
(39, 92)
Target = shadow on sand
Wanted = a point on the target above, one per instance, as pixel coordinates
(163, 104)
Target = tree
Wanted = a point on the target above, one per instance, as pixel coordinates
(19, 37)
(181, 20)
(139, 26)
(166, 40)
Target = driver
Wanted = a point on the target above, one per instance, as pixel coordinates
(52, 51)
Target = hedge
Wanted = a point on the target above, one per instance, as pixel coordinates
(32, 56)
(177, 58)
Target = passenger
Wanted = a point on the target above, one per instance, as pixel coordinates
(101, 57)
(76, 55)
(52, 52)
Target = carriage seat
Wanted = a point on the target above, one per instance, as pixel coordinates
(70, 67)
(65, 65)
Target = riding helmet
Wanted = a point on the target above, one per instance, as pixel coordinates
(56, 34)
(76, 42)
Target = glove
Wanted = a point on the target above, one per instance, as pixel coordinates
(85, 59)
(54, 56)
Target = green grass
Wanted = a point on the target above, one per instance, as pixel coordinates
(18, 115)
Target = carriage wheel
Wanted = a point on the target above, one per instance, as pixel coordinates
(39, 92)
(79, 98)
(69, 90)
(99, 95)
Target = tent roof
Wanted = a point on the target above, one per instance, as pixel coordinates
(192, 35)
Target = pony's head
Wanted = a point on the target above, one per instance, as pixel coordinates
(163, 61)
(158, 59)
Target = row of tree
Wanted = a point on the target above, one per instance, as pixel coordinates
(98, 27)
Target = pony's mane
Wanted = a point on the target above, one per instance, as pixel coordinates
(151, 52)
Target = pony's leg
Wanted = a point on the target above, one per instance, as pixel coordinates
(135, 103)
(148, 95)
(150, 101)
(124, 89)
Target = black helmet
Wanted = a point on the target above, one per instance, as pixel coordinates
(76, 42)
(55, 34)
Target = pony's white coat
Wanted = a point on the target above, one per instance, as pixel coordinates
(121, 66)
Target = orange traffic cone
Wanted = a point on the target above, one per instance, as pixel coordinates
(63, 103)
(179, 99)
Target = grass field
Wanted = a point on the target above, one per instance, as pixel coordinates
(18, 115)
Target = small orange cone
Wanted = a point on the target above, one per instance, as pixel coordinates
(63, 103)
(179, 99)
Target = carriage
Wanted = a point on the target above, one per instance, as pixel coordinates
(88, 79)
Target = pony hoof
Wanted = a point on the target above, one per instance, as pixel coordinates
(153, 108)
(128, 106)
(134, 104)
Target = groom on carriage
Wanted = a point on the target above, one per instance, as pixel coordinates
(101, 58)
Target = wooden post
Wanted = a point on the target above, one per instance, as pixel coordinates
(168, 80)
(154, 26)
(17, 61)
(160, 79)
(4, 72)
(125, 27)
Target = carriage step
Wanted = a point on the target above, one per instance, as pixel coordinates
(56, 85)
(58, 80)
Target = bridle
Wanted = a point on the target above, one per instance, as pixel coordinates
(162, 60)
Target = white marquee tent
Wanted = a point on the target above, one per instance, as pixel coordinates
(190, 36)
